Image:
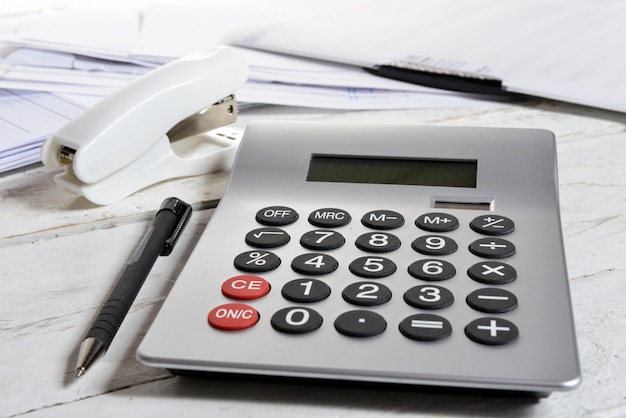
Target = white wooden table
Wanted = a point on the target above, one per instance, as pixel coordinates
(60, 256)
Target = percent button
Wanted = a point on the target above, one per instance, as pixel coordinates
(257, 261)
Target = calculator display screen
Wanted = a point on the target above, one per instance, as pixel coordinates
(384, 170)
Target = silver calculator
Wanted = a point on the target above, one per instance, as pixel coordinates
(380, 253)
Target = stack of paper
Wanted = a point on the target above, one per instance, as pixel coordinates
(78, 54)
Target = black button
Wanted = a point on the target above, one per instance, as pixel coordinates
(425, 327)
(378, 242)
(329, 218)
(276, 216)
(314, 264)
(296, 320)
(256, 261)
(429, 297)
(492, 248)
(437, 222)
(492, 300)
(305, 290)
(267, 238)
(492, 331)
(492, 272)
(434, 245)
(432, 270)
(492, 225)
(366, 294)
(382, 219)
(372, 267)
(322, 240)
(360, 324)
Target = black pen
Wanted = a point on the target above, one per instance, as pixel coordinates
(160, 239)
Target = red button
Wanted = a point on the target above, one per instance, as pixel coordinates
(245, 287)
(233, 317)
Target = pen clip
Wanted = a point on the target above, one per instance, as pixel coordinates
(182, 211)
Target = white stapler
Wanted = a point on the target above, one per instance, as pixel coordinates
(149, 131)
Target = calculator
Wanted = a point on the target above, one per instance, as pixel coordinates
(412, 255)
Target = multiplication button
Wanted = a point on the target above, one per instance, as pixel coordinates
(492, 272)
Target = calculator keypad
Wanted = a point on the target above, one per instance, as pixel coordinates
(363, 323)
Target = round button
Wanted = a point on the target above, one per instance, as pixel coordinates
(305, 290)
(314, 264)
(432, 270)
(492, 331)
(437, 222)
(492, 225)
(233, 317)
(434, 245)
(329, 218)
(492, 248)
(492, 272)
(256, 261)
(276, 216)
(322, 240)
(429, 297)
(382, 219)
(372, 267)
(492, 300)
(366, 294)
(378, 242)
(360, 324)
(267, 238)
(245, 287)
(296, 320)
(425, 327)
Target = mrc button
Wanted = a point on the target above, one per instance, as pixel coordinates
(233, 317)
(276, 216)
(329, 218)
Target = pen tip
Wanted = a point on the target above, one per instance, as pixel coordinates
(80, 371)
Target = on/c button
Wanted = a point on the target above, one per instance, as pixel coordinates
(233, 317)
(245, 287)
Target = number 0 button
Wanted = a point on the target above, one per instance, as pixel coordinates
(296, 320)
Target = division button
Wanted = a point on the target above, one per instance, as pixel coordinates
(437, 222)
(267, 238)
(425, 327)
(492, 225)
(378, 242)
(492, 331)
(492, 272)
(314, 264)
(492, 248)
(382, 219)
(329, 218)
(256, 261)
(322, 240)
(360, 324)
(305, 290)
(366, 294)
(434, 245)
(276, 216)
(233, 317)
(296, 320)
(429, 297)
(246, 287)
(492, 300)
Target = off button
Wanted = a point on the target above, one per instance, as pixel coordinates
(276, 216)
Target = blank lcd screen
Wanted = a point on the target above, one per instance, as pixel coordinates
(383, 170)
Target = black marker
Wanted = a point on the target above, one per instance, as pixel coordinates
(160, 239)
